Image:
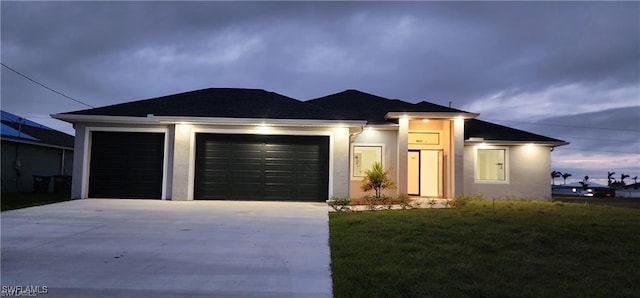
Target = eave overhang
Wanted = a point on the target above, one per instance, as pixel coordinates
(23, 141)
(430, 115)
(480, 141)
(152, 119)
(390, 126)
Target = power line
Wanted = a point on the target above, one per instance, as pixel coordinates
(590, 150)
(600, 139)
(46, 87)
(565, 125)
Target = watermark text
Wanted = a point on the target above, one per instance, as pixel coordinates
(23, 291)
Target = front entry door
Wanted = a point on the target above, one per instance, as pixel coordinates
(424, 173)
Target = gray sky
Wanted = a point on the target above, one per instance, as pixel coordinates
(569, 70)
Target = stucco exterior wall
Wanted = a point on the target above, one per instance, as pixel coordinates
(339, 147)
(528, 174)
(79, 150)
(389, 139)
(182, 187)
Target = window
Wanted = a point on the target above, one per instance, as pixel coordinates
(364, 157)
(491, 165)
(424, 138)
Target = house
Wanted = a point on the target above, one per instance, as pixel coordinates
(248, 144)
(630, 191)
(30, 149)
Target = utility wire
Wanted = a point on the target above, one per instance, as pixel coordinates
(599, 139)
(590, 150)
(46, 87)
(565, 125)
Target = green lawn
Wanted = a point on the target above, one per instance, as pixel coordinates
(530, 249)
(11, 201)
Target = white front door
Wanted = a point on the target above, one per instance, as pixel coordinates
(424, 173)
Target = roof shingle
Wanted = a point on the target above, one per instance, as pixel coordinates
(217, 102)
(256, 103)
(358, 105)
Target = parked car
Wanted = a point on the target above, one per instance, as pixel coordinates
(604, 192)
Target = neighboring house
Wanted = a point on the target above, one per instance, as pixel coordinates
(29, 149)
(247, 144)
(629, 191)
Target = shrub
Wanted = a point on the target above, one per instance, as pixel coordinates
(403, 201)
(463, 200)
(339, 204)
(377, 179)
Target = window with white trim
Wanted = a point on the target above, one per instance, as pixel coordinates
(491, 164)
(363, 158)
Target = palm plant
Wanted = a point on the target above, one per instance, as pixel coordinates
(377, 179)
(622, 177)
(610, 177)
(565, 176)
(585, 183)
(554, 175)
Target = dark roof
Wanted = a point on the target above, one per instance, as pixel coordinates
(358, 105)
(256, 103)
(475, 128)
(18, 129)
(217, 102)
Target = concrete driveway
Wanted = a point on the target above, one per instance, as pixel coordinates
(140, 248)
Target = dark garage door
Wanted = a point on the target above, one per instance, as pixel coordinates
(126, 165)
(260, 167)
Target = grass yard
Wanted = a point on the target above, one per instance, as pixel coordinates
(11, 201)
(618, 202)
(522, 249)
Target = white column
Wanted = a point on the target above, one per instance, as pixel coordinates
(80, 162)
(458, 157)
(403, 150)
(340, 153)
(182, 189)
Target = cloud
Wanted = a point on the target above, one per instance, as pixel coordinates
(517, 61)
(570, 99)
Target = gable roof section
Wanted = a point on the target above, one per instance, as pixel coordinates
(354, 104)
(18, 129)
(488, 131)
(217, 102)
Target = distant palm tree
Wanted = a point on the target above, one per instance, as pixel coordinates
(622, 177)
(610, 177)
(585, 183)
(554, 175)
(565, 176)
(635, 180)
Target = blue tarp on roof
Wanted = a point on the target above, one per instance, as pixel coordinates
(7, 130)
(15, 128)
(6, 116)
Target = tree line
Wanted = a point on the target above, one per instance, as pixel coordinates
(612, 182)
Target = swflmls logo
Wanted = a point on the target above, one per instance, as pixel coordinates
(23, 291)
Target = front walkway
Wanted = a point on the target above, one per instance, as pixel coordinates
(140, 248)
